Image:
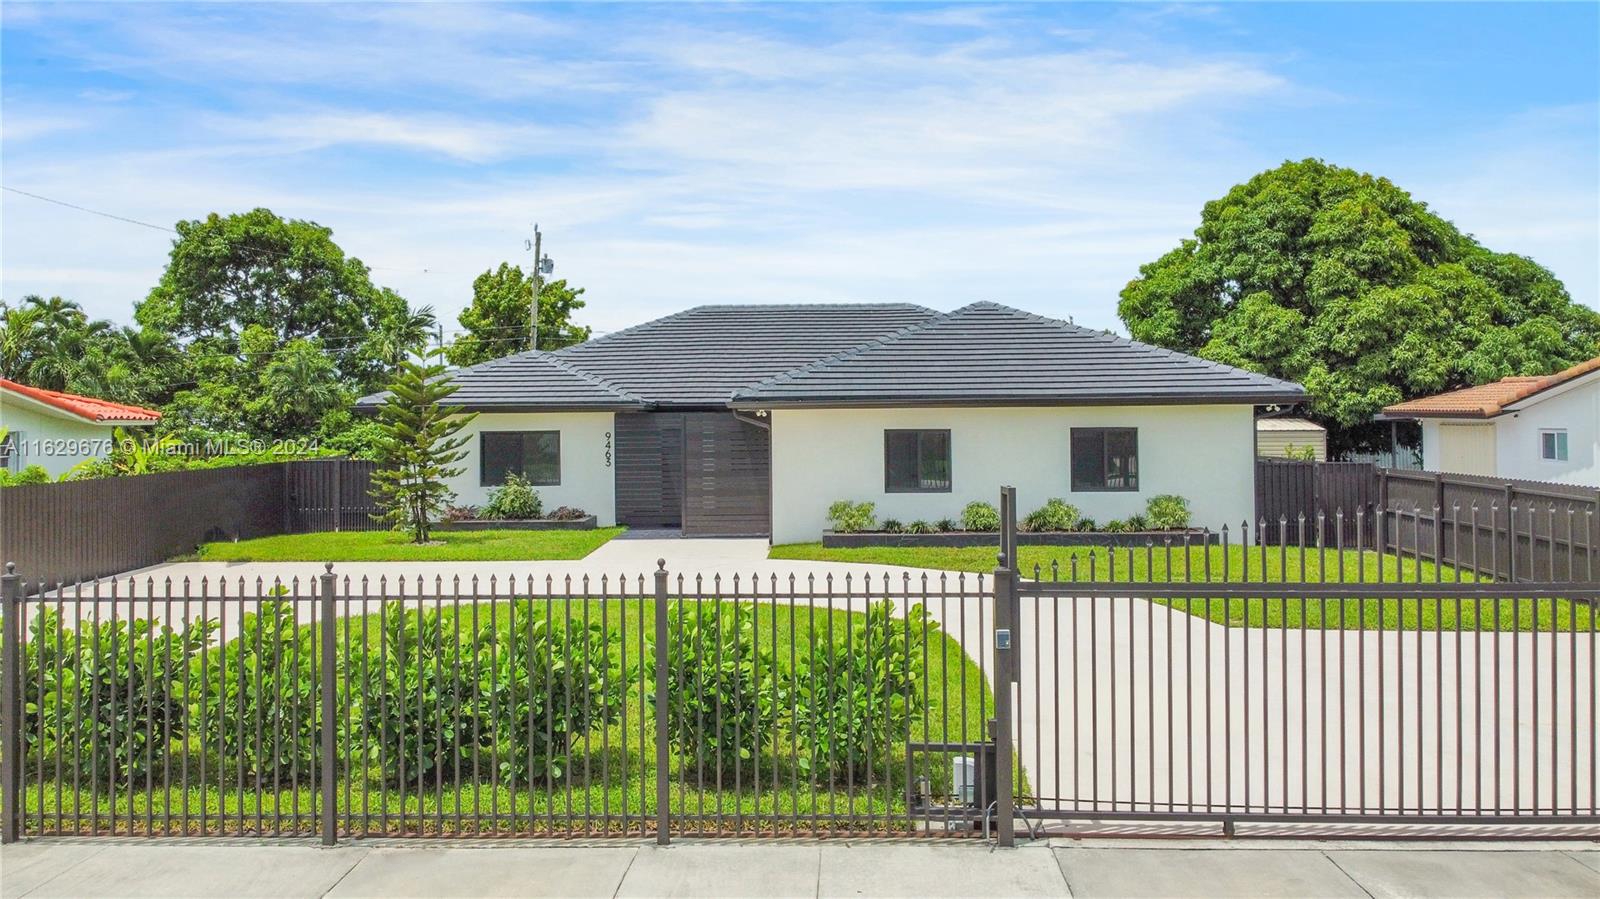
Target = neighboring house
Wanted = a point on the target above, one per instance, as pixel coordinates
(751, 420)
(1532, 428)
(1276, 436)
(59, 430)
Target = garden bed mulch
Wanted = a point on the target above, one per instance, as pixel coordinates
(1195, 537)
(587, 523)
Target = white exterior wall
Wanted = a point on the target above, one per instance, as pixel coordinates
(57, 442)
(1576, 410)
(587, 478)
(1507, 446)
(1203, 453)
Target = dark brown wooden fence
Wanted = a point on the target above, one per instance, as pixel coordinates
(85, 529)
(1286, 490)
(1509, 529)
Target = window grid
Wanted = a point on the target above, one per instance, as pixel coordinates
(923, 457)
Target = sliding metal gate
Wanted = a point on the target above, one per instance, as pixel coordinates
(1320, 682)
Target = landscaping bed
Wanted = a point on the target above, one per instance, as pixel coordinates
(586, 523)
(498, 545)
(246, 746)
(1191, 536)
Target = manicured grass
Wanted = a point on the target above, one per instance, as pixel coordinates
(611, 775)
(390, 546)
(1235, 564)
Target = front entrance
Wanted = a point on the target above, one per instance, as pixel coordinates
(708, 473)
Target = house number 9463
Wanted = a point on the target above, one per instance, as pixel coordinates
(608, 449)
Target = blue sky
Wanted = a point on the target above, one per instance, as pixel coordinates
(1033, 155)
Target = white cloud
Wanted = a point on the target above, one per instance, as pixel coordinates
(673, 164)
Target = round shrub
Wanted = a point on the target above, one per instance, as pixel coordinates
(1055, 515)
(855, 695)
(514, 500)
(723, 702)
(850, 518)
(265, 678)
(980, 516)
(1167, 512)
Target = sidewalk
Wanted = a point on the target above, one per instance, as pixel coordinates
(777, 868)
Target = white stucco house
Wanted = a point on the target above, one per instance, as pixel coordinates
(58, 430)
(752, 420)
(1530, 428)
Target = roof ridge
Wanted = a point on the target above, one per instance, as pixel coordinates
(942, 318)
(631, 329)
(652, 324)
(594, 379)
(551, 358)
(850, 352)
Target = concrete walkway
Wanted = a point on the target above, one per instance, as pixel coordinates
(389, 869)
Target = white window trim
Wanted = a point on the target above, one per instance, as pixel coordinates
(1556, 445)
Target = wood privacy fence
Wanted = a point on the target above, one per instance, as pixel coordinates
(1286, 489)
(85, 529)
(1509, 529)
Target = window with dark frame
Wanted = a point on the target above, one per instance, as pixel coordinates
(916, 461)
(1553, 445)
(1105, 459)
(536, 455)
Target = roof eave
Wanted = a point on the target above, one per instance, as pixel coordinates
(1253, 399)
(1417, 415)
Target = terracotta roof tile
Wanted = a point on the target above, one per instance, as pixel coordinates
(85, 407)
(1487, 400)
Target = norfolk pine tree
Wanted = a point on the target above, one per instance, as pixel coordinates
(418, 446)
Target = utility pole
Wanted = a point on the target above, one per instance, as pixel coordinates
(538, 283)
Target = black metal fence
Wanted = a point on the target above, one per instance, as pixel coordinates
(85, 529)
(1305, 680)
(415, 707)
(1240, 682)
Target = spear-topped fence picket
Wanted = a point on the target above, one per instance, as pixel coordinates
(1334, 679)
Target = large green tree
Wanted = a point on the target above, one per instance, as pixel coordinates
(1343, 282)
(278, 326)
(497, 321)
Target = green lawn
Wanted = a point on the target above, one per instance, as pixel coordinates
(611, 776)
(390, 546)
(1253, 564)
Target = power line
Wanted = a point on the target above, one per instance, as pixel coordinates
(170, 230)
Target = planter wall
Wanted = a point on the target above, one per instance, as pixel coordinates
(1195, 536)
(519, 524)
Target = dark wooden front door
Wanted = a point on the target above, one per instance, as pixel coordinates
(649, 469)
(728, 477)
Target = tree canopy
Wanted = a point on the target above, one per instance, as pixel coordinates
(1343, 282)
(496, 322)
(51, 343)
(279, 329)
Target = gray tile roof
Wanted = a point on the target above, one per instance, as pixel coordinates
(526, 382)
(989, 353)
(700, 356)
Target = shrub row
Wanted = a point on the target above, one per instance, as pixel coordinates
(433, 698)
(843, 707)
(428, 697)
(1164, 512)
